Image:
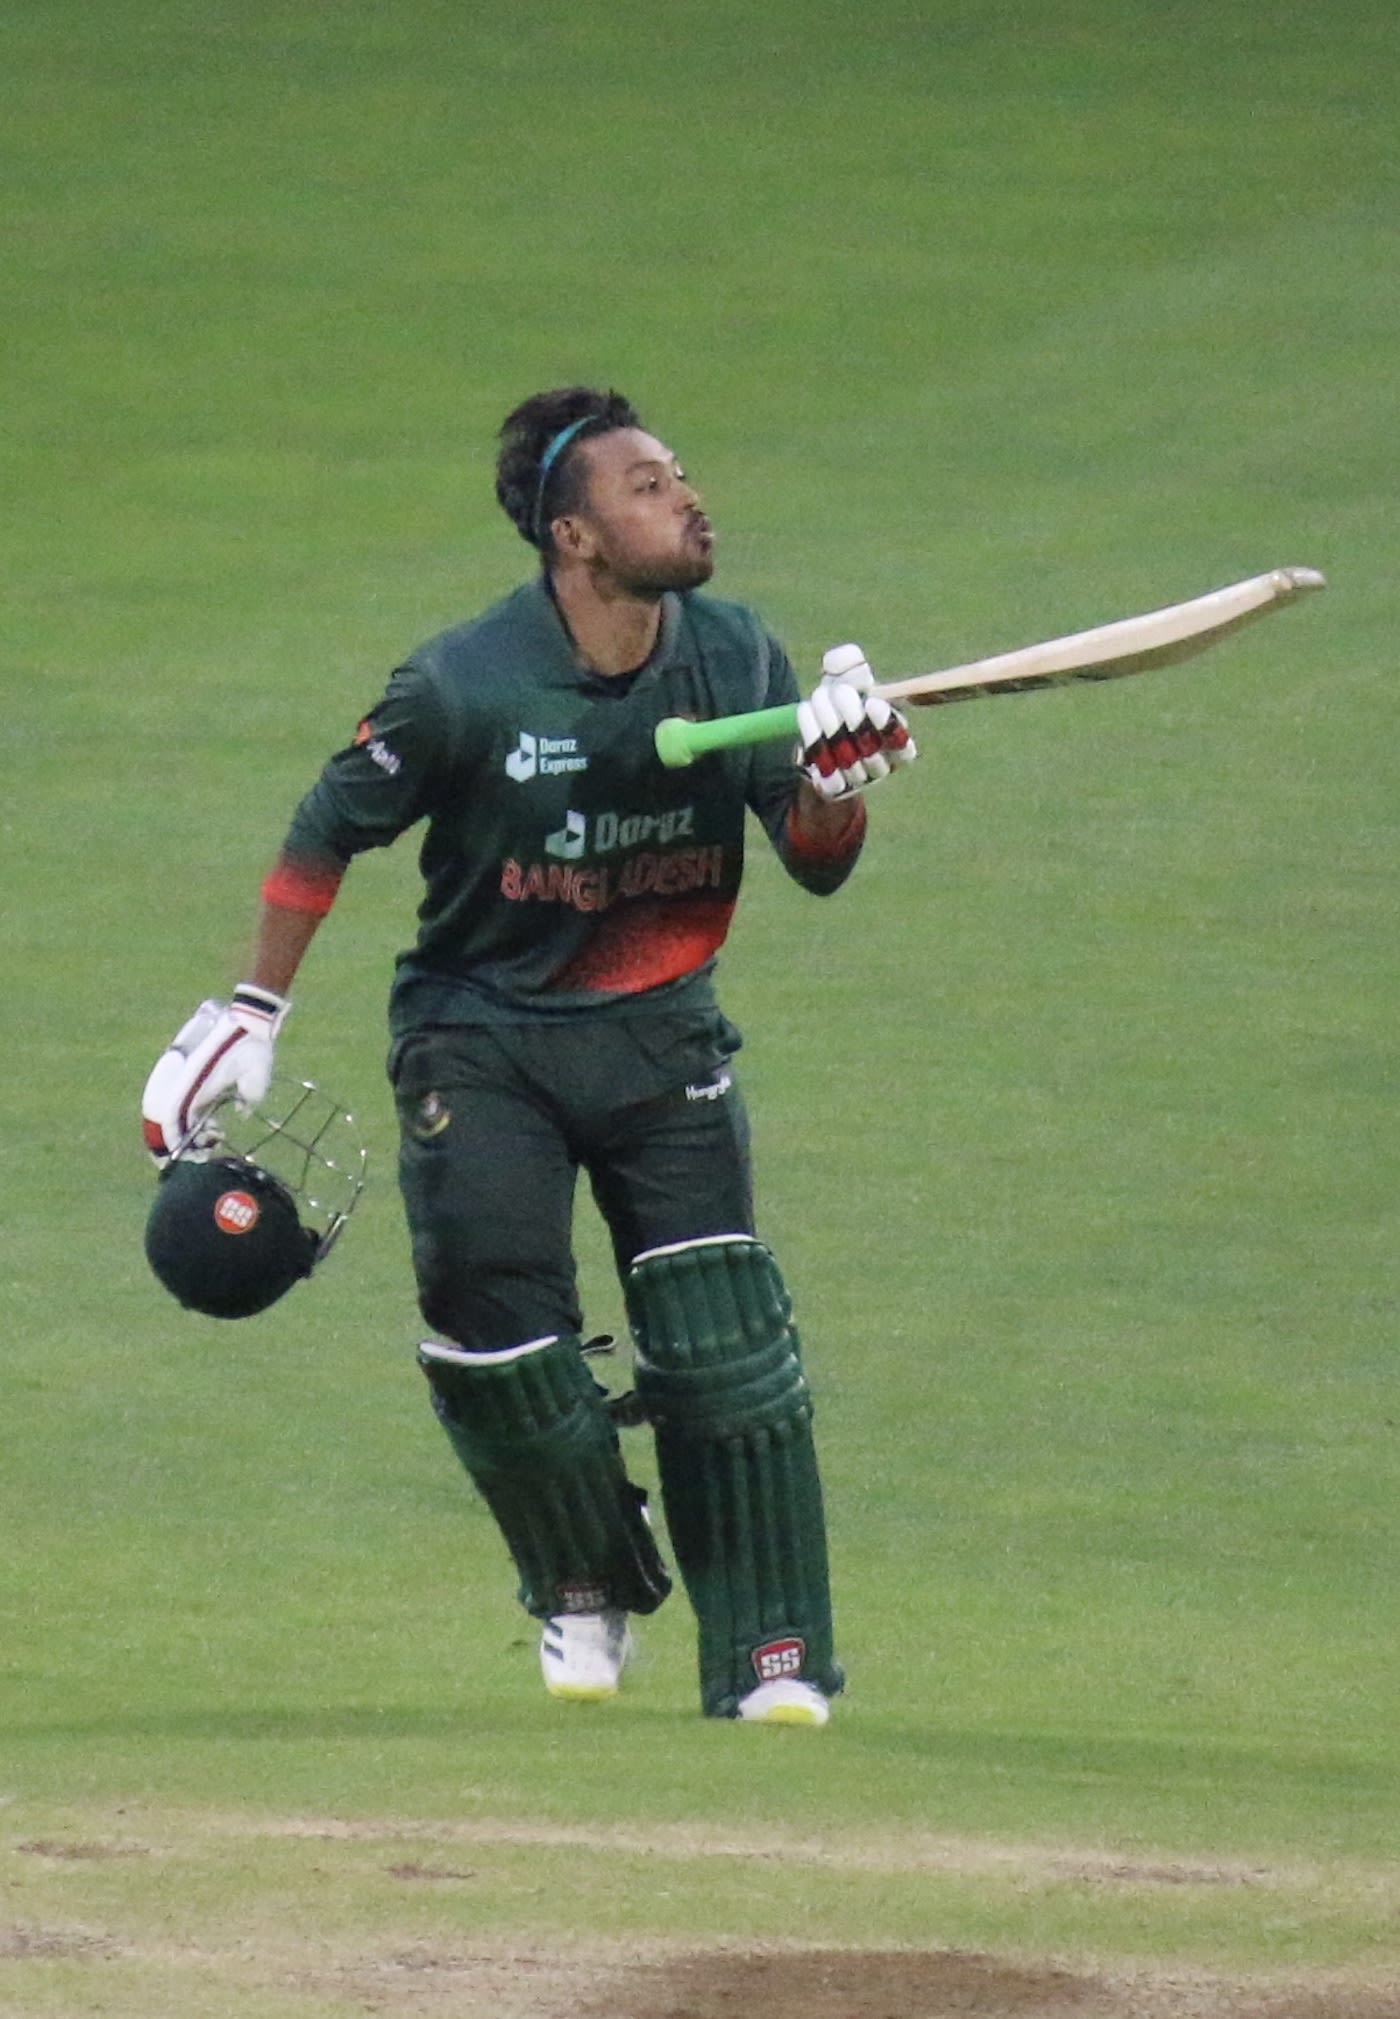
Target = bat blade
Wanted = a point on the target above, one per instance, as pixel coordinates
(1112, 651)
(1107, 652)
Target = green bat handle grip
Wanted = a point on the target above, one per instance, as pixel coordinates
(679, 743)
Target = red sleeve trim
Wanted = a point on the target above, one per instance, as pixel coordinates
(302, 886)
(836, 848)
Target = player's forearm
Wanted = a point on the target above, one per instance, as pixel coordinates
(279, 944)
(824, 823)
(818, 840)
(295, 898)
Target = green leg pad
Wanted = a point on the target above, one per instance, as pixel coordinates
(531, 1427)
(719, 1374)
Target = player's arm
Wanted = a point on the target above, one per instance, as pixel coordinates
(825, 826)
(366, 796)
(297, 895)
(226, 1049)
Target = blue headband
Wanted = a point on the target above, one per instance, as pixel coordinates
(550, 457)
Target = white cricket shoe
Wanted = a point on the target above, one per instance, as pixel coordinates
(785, 1702)
(583, 1654)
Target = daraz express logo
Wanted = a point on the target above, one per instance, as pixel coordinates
(543, 757)
(613, 832)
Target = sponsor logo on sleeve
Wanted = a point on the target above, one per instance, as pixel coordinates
(377, 750)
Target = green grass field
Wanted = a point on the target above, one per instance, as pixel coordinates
(1078, 1115)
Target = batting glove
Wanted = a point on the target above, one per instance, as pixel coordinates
(849, 737)
(224, 1050)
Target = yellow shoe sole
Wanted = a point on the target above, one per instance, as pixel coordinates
(790, 1714)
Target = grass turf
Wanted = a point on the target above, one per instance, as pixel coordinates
(1076, 1118)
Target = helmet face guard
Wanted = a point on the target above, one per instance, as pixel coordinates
(257, 1203)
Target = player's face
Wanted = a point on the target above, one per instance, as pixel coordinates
(641, 525)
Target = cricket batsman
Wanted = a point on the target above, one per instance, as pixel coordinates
(557, 1014)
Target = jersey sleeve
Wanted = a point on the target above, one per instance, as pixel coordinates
(820, 866)
(383, 781)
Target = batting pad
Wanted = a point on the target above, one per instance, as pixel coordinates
(719, 1374)
(531, 1427)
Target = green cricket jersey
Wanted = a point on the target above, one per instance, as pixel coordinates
(563, 867)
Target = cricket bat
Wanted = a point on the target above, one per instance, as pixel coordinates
(1108, 652)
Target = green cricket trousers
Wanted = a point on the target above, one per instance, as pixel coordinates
(497, 1120)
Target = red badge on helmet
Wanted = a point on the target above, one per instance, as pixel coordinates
(236, 1213)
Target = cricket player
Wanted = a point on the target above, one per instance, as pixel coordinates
(556, 1014)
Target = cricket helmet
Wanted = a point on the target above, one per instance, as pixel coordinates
(256, 1203)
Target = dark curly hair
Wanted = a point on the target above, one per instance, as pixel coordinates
(533, 491)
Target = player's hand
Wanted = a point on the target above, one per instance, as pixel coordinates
(225, 1049)
(849, 737)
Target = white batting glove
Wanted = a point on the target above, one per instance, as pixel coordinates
(849, 738)
(225, 1049)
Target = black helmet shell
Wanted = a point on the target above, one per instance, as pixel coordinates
(224, 1236)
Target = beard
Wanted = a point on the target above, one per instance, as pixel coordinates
(660, 578)
(687, 567)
